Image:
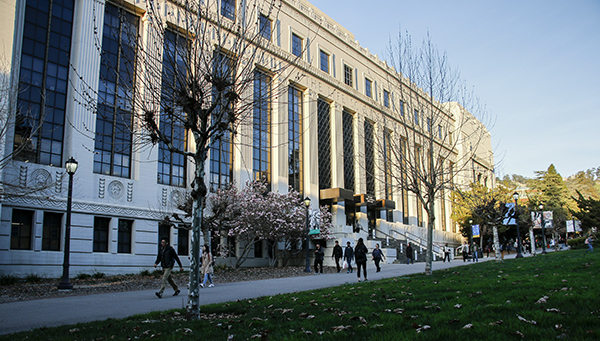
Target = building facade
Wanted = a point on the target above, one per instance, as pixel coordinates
(325, 119)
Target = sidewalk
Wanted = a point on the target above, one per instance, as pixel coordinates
(26, 315)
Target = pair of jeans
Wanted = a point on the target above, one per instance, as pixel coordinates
(349, 261)
(207, 278)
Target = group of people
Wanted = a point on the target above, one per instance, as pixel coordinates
(358, 254)
(167, 258)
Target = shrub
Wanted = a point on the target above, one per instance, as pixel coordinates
(98, 275)
(579, 243)
(82, 275)
(33, 278)
(145, 273)
(8, 279)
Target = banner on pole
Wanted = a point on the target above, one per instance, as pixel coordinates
(475, 231)
(509, 216)
(570, 226)
(548, 220)
(536, 217)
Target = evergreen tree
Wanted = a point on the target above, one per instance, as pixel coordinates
(589, 212)
(549, 189)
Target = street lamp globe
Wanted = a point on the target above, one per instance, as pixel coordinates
(71, 166)
(307, 201)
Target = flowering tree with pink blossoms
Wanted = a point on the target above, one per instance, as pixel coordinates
(255, 214)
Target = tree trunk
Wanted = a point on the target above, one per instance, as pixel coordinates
(430, 222)
(497, 244)
(532, 240)
(199, 195)
(194, 292)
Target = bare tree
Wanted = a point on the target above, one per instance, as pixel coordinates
(431, 135)
(187, 86)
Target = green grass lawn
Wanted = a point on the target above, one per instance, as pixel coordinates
(547, 297)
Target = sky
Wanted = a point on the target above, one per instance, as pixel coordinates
(534, 64)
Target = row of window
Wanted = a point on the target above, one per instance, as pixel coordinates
(22, 232)
(113, 135)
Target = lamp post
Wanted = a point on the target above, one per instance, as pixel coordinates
(71, 166)
(307, 203)
(519, 254)
(543, 229)
(471, 234)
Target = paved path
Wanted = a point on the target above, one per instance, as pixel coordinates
(26, 315)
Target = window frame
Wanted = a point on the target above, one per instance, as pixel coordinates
(262, 21)
(51, 231)
(295, 137)
(98, 238)
(368, 87)
(183, 242)
(261, 126)
(324, 56)
(125, 229)
(227, 12)
(296, 38)
(23, 238)
(348, 75)
(386, 98)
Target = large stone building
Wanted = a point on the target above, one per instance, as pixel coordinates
(335, 112)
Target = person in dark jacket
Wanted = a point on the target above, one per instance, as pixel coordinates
(319, 255)
(167, 257)
(337, 253)
(377, 254)
(349, 256)
(446, 253)
(360, 256)
(409, 254)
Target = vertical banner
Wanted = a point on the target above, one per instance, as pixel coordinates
(570, 226)
(509, 216)
(536, 217)
(475, 231)
(548, 220)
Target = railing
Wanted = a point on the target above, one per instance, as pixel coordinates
(415, 240)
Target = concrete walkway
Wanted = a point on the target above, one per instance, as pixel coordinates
(26, 315)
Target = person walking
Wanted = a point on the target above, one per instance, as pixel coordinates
(377, 255)
(349, 256)
(465, 251)
(475, 254)
(167, 258)
(337, 254)
(446, 253)
(319, 255)
(360, 256)
(409, 254)
(207, 267)
(589, 241)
